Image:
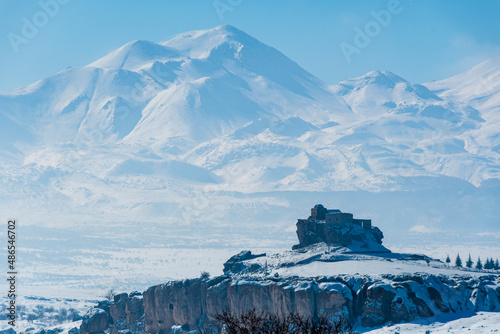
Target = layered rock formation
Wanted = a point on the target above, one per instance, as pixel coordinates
(374, 301)
(195, 303)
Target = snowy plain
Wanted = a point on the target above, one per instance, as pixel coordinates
(482, 322)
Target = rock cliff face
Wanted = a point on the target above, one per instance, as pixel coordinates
(125, 314)
(374, 301)
(194, 303)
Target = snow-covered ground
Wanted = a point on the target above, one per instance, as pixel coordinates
(323, 260)
(372, 268)
(37, 326)
(481, 323)
(40, 312)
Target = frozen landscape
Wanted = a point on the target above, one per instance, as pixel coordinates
(339, 268)
(161, 160)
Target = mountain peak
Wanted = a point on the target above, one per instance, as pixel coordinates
(200, 43)
(381, 78)
(229, 28)
(222, 30)
(196, 44)
(478, 86)
(373, 79)
(134, 54)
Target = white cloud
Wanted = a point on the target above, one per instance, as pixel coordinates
(419, 228)
(489, 234)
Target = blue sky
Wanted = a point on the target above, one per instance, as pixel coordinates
(423, 40)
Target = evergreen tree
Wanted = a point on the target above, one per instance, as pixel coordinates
(469, 262)
(497, 265)
(487, 264)
(448, 259)
(458, 261)
(479, 265)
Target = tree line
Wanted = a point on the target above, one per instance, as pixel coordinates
(489, 264)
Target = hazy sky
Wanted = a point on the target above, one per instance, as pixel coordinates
(422, 40)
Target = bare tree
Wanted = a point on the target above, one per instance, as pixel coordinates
(110, 294)
(258, 322)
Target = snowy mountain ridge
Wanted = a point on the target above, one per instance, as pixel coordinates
(204, 85)
(478, 86)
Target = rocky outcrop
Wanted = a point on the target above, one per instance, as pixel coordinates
(312, 232)
(374, 301)
(125, 314)
(195, 303)
(235, 264)
(94, 321)
(126, 311)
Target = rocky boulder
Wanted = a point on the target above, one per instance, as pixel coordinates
(94, 321)
(235, 263)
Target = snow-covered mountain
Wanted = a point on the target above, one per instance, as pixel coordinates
(183, 98)
(209, 102)
(480, 88)
(176, 94)
(214, 138)
(430, 134)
